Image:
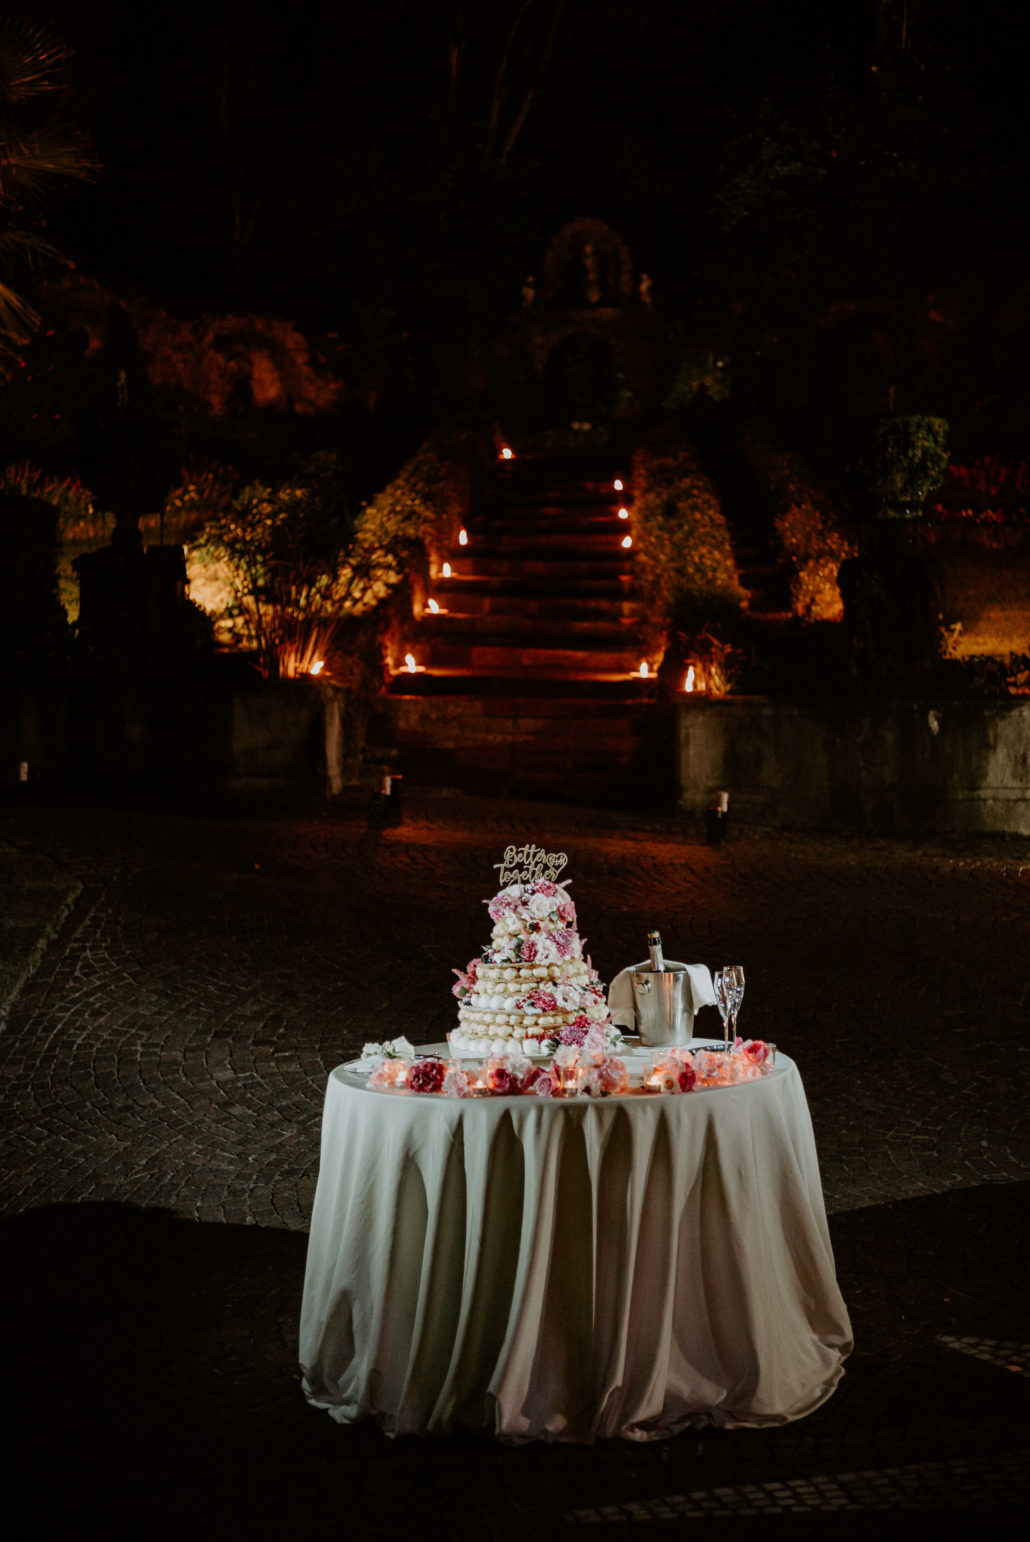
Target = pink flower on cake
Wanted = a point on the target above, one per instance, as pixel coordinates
(544, 1000)
(545, 886)
(567, 911)
(425, 1076)
(528, 951)
(466, 979)
(574, 1033)
(593, 1042)
(562, 944)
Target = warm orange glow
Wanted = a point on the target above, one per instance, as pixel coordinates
(409, 662)
(446, 570)
(507, 454)
(463, 537)
(644, 670)
(317, 667)
(617, 484)
(688, 684)
(627, 542)
(434, 607)
(624, 513)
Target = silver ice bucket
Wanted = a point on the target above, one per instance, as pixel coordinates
(664, 1005)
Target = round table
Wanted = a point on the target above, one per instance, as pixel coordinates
(570, 1269)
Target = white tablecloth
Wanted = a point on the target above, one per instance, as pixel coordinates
(570, 1270)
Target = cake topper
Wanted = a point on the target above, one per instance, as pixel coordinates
(525, 864)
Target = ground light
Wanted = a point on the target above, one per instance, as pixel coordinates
(317, 667)
(507, 454)
(409, 663)
(688, 684)
(463, 537)
(624, 513)
(644, 670)
(617, 484)
(446, 570)
(627, 542)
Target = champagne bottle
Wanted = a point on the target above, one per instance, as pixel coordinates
(654, 947)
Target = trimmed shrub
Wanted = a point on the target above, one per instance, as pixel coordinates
(807, 525)
(684, 563)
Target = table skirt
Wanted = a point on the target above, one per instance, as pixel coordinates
(570, 1270)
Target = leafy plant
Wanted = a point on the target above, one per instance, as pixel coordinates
(40, 151)
(906, 460)
(807, 525)
(684, 560)
(297, 566)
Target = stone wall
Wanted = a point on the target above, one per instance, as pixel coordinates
(917, 767)
(182, 742)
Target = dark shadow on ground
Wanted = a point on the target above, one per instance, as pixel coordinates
(156, 1395)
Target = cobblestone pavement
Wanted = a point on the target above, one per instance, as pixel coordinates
(163, 1072)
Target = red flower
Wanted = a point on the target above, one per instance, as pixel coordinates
(687, 1078)
(425, 1076)
(500, 1080)
(532, 1076)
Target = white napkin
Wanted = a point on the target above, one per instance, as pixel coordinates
(620, 992)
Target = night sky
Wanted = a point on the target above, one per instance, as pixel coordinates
(311, 157)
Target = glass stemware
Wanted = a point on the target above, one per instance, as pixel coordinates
(729, 993)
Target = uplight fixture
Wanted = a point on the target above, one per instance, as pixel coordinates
(463, 537)
(617, 484)
(624, 513)
(627, 542)
(446, 570)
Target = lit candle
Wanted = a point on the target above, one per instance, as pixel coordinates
(627, 542)
(434, 607)
(624, 513)
(617, 484)
(507, 454)
(688, 684)
(463, 538)
(316, 669)
(644, 670)
(446, 570)
(409, 662)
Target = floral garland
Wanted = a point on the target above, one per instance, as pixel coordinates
(578, 1070)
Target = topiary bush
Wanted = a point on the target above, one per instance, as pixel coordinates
(904, 463)
(684, 563)
(807, 525)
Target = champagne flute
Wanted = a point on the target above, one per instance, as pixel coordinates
(733, 985)
(723, 1000)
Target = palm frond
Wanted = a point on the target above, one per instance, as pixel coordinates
(18, 319)
(33, 62)
(33, 163)
(28, 250)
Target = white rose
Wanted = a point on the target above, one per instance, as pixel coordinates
(539, 906)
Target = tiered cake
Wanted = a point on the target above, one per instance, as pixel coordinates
(532, 984)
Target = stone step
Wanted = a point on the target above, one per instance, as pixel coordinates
(594, 631)
(475, 601)
(515, 655)
(538, 685)
(559, 565)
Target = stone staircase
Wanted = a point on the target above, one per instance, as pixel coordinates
(527, 677)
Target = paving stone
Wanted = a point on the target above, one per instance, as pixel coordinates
(163, 1072)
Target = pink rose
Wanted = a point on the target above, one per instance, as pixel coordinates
(756, 1051)
(500, 1080)
(545, 1087)
(532, 1076)
(425, 1076)
(567, 911)
(611, 1074)
(528, 951)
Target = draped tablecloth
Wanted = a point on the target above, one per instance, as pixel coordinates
(570, 1269)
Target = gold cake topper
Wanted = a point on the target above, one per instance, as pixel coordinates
(525, 864)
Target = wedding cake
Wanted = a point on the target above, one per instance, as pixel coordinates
(533, 985)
